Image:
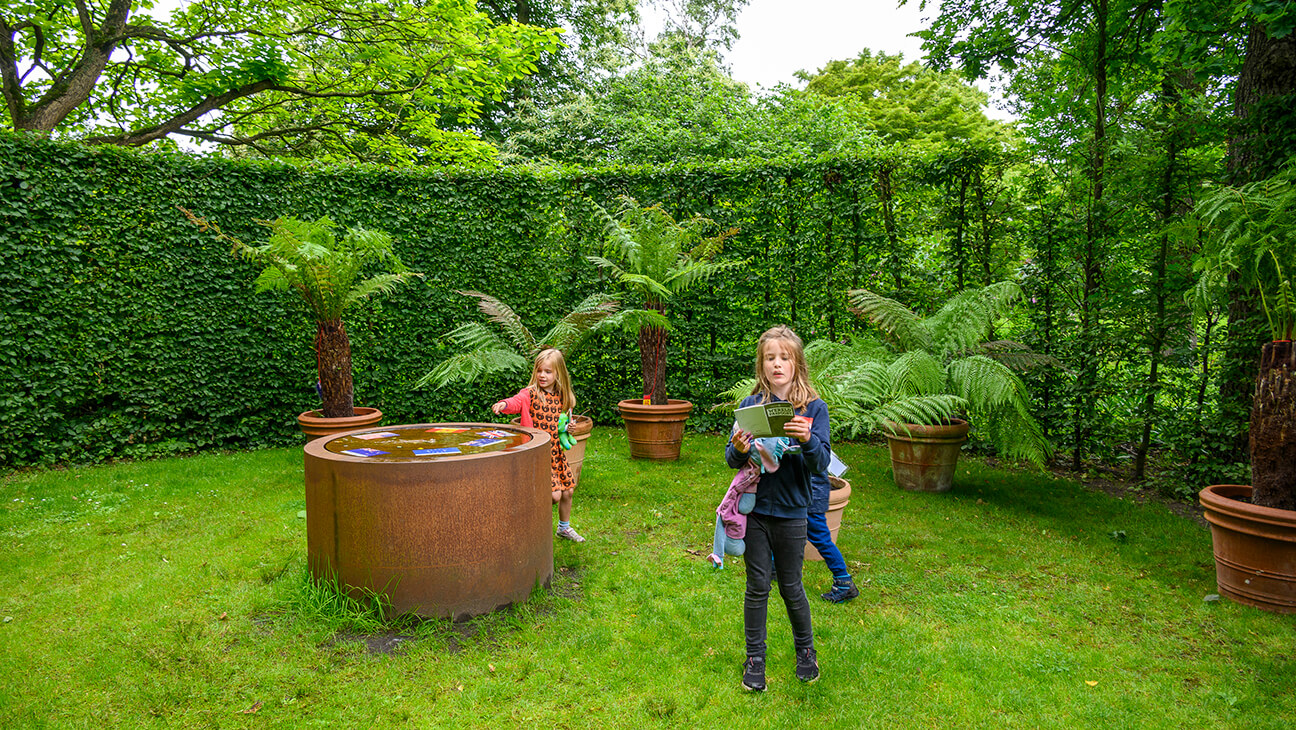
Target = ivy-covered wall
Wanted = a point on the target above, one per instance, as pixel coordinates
(125, 331)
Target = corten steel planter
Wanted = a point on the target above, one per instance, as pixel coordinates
(655, 432)
(923, 457)
(580, 429)
(315, 425)
(1255, 548)
(446, 536)
(838, 498)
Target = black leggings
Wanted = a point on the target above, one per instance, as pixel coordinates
(777, 543)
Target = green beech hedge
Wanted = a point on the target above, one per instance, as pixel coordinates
(127, 332)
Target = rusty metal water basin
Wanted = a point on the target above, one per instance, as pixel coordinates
(449, 520)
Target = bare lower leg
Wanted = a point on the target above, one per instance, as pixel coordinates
(565, 505)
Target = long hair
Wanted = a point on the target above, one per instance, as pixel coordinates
(562, 381)
(800, 391)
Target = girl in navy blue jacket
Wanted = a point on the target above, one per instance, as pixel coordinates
(776, 526)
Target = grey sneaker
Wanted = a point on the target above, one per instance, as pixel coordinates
(568, 533)
(807, 669)
(754, 674)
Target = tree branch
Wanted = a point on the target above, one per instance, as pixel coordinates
(66, 94)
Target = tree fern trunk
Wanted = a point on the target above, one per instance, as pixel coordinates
(1273, 428)
(652, 353)
(333, 358)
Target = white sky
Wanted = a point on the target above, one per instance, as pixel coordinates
(777, 38)
(780, 37)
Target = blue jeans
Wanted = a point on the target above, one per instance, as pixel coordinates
(775, 544)
(818, 534)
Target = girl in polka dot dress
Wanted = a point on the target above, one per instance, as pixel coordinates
(540, 404)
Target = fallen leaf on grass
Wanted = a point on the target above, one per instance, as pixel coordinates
(693, 552)
(1091, 683)
(224, 615)
(253, 709)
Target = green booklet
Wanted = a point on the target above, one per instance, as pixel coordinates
(763, 420)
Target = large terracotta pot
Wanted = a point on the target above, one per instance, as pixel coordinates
(923, 457)
(1255, 548)
(315, 425)
(838, 498)
(655, 432)
(580, 429)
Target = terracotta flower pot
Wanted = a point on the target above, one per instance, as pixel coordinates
(315, 425)
(838, 498)
(1255, 548)
(580, 430)
(923, 457)
(655, 432)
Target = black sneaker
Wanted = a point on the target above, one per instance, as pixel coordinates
(807, 665)
(841, 592)
(754, 674)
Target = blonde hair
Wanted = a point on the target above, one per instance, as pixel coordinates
(562, 381)
(800, 391)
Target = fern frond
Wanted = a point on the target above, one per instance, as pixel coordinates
(917, 373)
(1000, 404)
(579, 323)
(918, 409)
(467, 367)
(965, 320)
(892, 317)
(508, 321)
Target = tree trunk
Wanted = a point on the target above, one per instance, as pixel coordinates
(71, 90)
(1160, 327)
(1093, 260)
(652, 356)
(983, 210)
(958, 232)
(886, 199)
(1263, 105)
(1273, 428)
(333, 358)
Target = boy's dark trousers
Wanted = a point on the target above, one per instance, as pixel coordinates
(775, 543)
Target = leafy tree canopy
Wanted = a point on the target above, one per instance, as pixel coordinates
(679, 106)
(907, 102)
(367, 80)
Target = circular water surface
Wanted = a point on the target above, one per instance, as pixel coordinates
(428, 441)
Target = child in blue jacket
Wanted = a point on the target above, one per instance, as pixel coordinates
(776, 527)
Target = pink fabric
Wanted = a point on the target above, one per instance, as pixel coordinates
(744, 482)
(520, 404)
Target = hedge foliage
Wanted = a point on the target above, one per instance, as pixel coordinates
(125, 331)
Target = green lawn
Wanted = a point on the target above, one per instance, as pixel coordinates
(173, 592)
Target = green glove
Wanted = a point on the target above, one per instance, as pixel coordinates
(564, 439)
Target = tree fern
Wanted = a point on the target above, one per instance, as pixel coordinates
(943, 366)
(331, 274)
(656, 258)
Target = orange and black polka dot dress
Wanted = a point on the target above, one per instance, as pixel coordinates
(545, 410)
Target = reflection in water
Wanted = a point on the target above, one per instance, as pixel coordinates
(434, 441)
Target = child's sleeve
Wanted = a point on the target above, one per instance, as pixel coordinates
(816, 450)
(517, 403)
